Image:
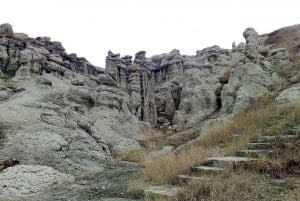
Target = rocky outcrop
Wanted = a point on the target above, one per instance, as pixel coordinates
(247, 83)
(183, 90)
(79, 116)
(279, 57)
(23, 56)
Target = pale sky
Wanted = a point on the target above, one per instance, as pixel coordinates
(92, 27)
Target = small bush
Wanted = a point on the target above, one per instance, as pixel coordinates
(137, 156)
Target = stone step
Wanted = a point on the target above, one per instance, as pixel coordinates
(166, 191)
(266, 145)
(187, 178)
(255, 153)
(228, 161)
(206, 170)
(276, 138)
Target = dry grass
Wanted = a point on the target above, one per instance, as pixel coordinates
(165, 168)
(249, 124)
(152, 140)
(223, 139)
(266, 166)
(135, 188)
(243, 186)
(225, 76)
(136, 156)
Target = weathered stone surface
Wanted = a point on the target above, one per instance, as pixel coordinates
(27, 179)
(38, 54)
(246, 83)
(228, 161)
(21, 36)
(252, 45)
(290, 95)
(77, 82)
(256, 153)
(3, 95)
(207, 170)
(279, 57)
(165, 191)
(45, 81)
(80, 96)
(6, 31)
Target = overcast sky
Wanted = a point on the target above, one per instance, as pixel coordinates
(92, 27)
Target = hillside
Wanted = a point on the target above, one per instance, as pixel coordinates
(70, 124)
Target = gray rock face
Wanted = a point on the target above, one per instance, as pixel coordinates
(279, 57)
(79, 116)
(165, 90)
(290, 95)
(38, 55)
(247, 82)
(26, 179)
(171, 89)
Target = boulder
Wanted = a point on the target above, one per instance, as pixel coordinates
(44, 81)
(289, 96)
(6, 31)
(246, 83)
(77, 82)
(252, 46)
(279, 57)
(3, 95)
(21, 36)
(80, 96)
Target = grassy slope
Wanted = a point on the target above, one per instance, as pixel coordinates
(288, 37)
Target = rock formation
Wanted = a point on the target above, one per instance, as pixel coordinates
(79, 116)
(28, 55)
(252, 45)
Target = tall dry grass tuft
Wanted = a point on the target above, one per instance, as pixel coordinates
(152, 140)
(136, 156)
(163, 169)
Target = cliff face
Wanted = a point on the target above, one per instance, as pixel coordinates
(131, 95)
(22, 55)
(58, 111)
(177, 90)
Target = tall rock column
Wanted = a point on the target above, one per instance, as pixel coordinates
(140, 80)
(135, 99)
(252, 45)
(111, 67)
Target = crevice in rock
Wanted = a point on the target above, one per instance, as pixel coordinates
(2, 135)
(218, 94)
(142, 96)
(224, 79)
(176, 93)
(218, 97)
(91, 103)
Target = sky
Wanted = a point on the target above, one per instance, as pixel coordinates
(90, 28)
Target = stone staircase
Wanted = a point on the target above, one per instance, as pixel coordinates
(259, 147)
